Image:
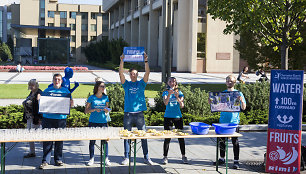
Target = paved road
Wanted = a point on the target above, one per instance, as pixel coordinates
(110, 76)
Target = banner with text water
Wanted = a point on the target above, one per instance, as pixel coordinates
(285, 122)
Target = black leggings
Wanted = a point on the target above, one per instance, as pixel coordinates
(235, 147)
(178, 123)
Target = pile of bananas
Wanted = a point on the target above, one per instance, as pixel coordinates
(151, 131)
(140, 133)
(167, 132)
(126, 133)
(158, 133)
(182, 133)
(175, 130)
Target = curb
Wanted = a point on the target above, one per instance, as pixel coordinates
(242, 128)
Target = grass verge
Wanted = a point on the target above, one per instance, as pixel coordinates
(20, 91)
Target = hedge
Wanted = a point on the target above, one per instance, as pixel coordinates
(196, 108)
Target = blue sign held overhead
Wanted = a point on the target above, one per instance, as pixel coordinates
(286, 98)
(133, 54)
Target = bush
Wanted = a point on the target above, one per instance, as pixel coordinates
(77, 119)
(5, 52)
(115, 93)
(116, 49)
(105, 50)
(256, 95)
(195, 100)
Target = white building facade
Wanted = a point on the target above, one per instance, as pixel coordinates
(140, 23)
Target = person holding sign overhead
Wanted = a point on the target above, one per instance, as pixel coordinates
(231, 117)
(134, 105)
(54, 120)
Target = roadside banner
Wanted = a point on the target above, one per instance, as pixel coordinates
(285, 122)
(133, 54)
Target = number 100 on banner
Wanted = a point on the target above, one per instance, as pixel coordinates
(133, 54)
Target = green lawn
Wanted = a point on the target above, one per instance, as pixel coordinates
(20, 91)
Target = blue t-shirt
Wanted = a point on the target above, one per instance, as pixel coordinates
(134, 98)
(60, 90)
(231, 117)
(98, 103)
(173, 107)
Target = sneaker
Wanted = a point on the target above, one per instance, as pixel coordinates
(184, 159)
(43, 165)
(165, 160)
(148, 161)
(30, 155)
(125, 161)
(107, 162)
(236, 165)
(220, 162)
(91, 162)
(59, 163)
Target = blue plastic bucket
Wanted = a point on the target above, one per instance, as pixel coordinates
(199, 128)
(225, 128)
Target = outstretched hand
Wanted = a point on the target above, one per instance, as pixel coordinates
(122, 57)
(76, 84)
(145, 56)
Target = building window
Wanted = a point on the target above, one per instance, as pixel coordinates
(62, 25)
(94, 15)
(93, 27)
(84, 15)
(72, 26)
(42, 4)
(105, 17)
(84, 38)
(175, 6)
(50, 14)
(1, 25)
(72, 38)
(63, 15)
(9, 15)
(104, 27)
(201, 20)
(50, 24)
(92, 38)
(82, 50)
(84, 27)
(72, 50)
(136, 5)
(146, 2)
(72, 15)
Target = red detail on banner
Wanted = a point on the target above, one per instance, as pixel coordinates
(283, 151)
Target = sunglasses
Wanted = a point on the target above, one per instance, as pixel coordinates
(102, 86)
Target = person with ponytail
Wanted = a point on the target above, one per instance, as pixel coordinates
(174, 100)
(97, 106)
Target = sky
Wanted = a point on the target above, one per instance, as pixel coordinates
(93, 2)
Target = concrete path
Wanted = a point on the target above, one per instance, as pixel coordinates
(200, 152)
(110, 76)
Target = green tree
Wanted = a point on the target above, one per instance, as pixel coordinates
(277, 23)
(5, 52)
(257, 55)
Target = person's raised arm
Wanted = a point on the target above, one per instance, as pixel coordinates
(122, 78)
(147, 68)
(179, 99)
(166, 98)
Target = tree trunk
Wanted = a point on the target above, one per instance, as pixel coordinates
(284, 56)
